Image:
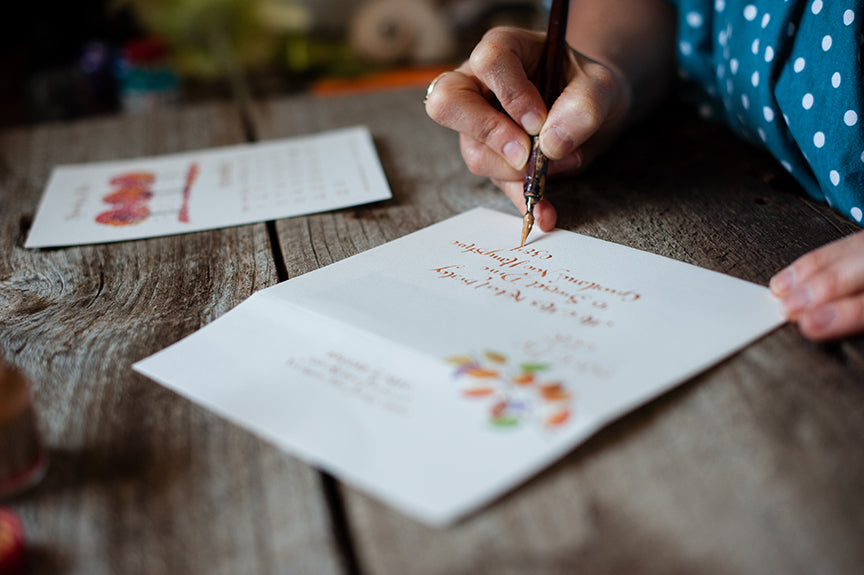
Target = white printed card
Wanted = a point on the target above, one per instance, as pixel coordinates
(443, 368)
(208, 189)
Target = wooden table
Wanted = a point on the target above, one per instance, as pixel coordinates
(756, 466)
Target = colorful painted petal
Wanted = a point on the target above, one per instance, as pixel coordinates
(463, 369)
(505, 421)
(129, 196)
(133, 179)
(559, 418)
(495, 356)
(482, 373)
(460, 359)
(554, 392)
(479, 391)
(499, 408)
(124, 215)
(532, 367)
(551, 386)
(524, 379)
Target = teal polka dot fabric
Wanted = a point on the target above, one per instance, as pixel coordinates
(786, 75)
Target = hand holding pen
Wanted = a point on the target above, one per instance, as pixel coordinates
(493, 102)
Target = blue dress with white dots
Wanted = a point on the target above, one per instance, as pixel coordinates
(786, 75)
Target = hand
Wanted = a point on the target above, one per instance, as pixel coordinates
(494, 143)
(824, 290)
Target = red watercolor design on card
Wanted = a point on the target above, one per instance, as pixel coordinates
(131, 194)
(187, 192)
(124, 215)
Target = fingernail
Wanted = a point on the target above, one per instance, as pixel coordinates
(782, 282)
(820, 318)
(557, 142)
(516, 154)
(797, 300)
(532, 122)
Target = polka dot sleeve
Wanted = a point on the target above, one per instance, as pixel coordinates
(785, 75)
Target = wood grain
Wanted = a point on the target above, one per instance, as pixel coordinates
(141, 480)
(753, 467)
(427, 186)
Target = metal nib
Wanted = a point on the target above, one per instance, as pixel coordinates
(527, 224)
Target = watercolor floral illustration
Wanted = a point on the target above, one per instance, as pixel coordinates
(131, 193)
(517, 393)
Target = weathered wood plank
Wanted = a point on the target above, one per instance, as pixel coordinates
(427, 186)
(141, 480)
(754, 466)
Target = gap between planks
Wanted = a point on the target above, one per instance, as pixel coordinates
(332, 492)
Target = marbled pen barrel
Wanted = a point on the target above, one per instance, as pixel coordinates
(550, 82)
(534, 183)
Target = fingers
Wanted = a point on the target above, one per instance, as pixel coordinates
(457, 103)
(592, 103)
(823, 275)
(545, 215)
(824, 290)
(494, 106)
(501, 61)
(483, 161)
(497, 72)
(834, 320)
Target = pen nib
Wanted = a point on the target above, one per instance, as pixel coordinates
(527, 224)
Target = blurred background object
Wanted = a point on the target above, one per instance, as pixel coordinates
(23, 461)
(393, 31)
(208, 37)
(43, 46)
(62, 60)
(13, 553)
(145, 77)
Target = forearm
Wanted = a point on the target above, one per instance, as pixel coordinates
(635, 38)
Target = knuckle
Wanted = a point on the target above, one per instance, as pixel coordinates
(605, 80)
(485, 56)
(509, 100)
(590, 113)
(830, 284)
(496, 35)
(814, 260)
(603, 92)
(485, 130)
(473, 161)
(474, 156)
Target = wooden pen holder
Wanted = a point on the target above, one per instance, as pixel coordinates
(22, 459)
